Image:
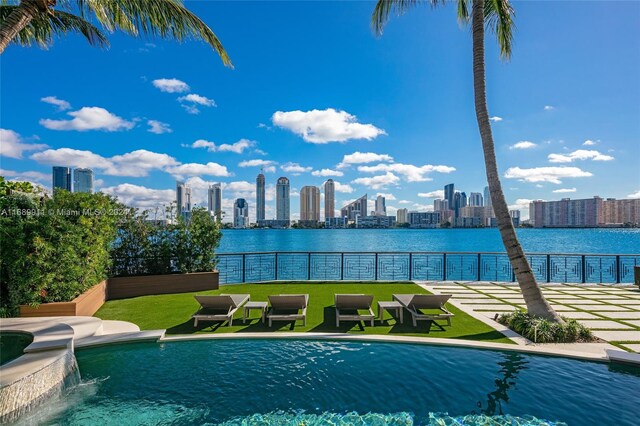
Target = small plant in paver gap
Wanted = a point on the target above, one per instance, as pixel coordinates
(540, 330)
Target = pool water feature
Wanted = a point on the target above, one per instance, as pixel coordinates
(294, 382)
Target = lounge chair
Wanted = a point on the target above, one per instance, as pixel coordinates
(288, 307)
(416, 303)
(348, 307)
(219, 308)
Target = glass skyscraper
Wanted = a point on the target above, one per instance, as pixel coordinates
(260, 193)
(83, 180)
(61, 178)
(283, 207)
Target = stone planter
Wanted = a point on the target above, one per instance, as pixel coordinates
(84, 305)
(145, 285)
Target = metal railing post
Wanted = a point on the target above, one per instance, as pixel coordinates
(618, 272)
(243, 266)
(444, 267)
(375, 275)
(584, 269)
(341, 266)
(410, 266)
(479, 260)
(548, 268)
(309, 266)
(276, 267)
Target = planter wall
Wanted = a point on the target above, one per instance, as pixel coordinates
(84, 305)
(125, 287)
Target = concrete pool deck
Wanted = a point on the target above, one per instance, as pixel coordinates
(612, 312)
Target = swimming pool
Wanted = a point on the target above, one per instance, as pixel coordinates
(294, 382)
(12, 345)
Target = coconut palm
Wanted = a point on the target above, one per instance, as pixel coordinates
(30, 22)
(498, 16)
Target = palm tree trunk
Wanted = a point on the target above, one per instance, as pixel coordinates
(16, 22)
(536, 303)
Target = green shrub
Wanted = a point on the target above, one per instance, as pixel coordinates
(147, 246)
(53, 249)
(540, 330)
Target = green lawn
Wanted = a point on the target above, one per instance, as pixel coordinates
(173, 312)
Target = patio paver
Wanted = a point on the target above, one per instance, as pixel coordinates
(621, 315)
(603, 324)
(635, 323)
(635, 347)
(618, 336)
(600, 308)
(579, 315)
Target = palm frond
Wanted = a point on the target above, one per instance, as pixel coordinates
(384, 8)
(463, 11)
(43, 27)
(498, 16)
(155, 18)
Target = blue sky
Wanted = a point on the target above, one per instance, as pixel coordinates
(391, 114)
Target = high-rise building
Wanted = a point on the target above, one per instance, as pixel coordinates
(329, 199)
(283, 207)
(567, 213)
(354, 209)
(260, 197)
(459, 201)
(475, 199)
(83, 180)
(61, 178)
(381, 206)
(440, 205)
(621, 212)
(240, 213)
(401, 216)
(214, 198)
(183, 198)
(515, 217)
(310, 204)
(487, 197)
(449, 193)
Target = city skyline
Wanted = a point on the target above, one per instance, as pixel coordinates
(554, 138)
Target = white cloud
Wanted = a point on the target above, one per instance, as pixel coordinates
(438, 193)
(140, 196)
(191, 109)
(549, 107)
(61, 104)
(327, 173)
(580, 154)
(342, 187)
(404, 202)
(422, 207)
(139, 163)
(545, 174)
(378, 182)
(197, 99)
(564, 190)
(294, 168)
(634, 195)
(158, 127)
(237, 147)
(410, 172)
(324, 126)
(26, 176)
(89, 118)
(195, 169)
(387, 196)
(495, 119)
(363, 158)
(171, 85)
(73, 158)
(521, 204)
(135, 164)
(12, 146)
(523, 145)
(257, 163)
(589, 143)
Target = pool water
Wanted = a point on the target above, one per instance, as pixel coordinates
(12, 345)
(302, 382)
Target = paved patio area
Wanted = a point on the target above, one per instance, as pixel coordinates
(611, 311)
